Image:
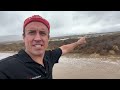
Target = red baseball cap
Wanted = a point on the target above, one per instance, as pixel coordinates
(36, 18)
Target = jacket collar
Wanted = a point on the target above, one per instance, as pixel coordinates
(25, 57)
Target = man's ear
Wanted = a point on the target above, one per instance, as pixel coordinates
(48, 36)
(23, 37)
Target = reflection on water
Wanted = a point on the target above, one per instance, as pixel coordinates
(73, 66)
(4, 55)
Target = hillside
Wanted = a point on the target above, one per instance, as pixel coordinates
(97, 43)
(10, 38)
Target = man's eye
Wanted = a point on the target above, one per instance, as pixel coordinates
(42, 33)
(31, 32)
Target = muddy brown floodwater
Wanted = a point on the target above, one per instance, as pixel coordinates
(75, 67)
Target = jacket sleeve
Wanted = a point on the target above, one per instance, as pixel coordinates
(54, 55)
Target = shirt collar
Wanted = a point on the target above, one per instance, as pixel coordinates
(24, 56)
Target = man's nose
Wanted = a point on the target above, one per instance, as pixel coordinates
(37, 37)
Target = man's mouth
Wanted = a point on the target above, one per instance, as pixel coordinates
(38, 45)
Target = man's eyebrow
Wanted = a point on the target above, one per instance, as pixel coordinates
(32, 30)
(41, 31)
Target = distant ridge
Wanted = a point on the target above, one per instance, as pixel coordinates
(91, 34)
(97, 43)
(10, 38)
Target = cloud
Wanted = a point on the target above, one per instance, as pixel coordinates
(9, 22)
(62, 22)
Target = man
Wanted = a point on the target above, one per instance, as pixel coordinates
(35, 62)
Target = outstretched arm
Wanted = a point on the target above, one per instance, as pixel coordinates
(69, 47)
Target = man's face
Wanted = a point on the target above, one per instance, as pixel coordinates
(36, 38)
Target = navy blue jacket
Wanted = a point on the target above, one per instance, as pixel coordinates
(21, 66)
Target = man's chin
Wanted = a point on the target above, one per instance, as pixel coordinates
(38, 53)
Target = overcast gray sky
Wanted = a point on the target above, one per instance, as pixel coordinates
(62, 22)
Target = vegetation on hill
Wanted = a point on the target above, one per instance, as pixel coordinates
(107, 44)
